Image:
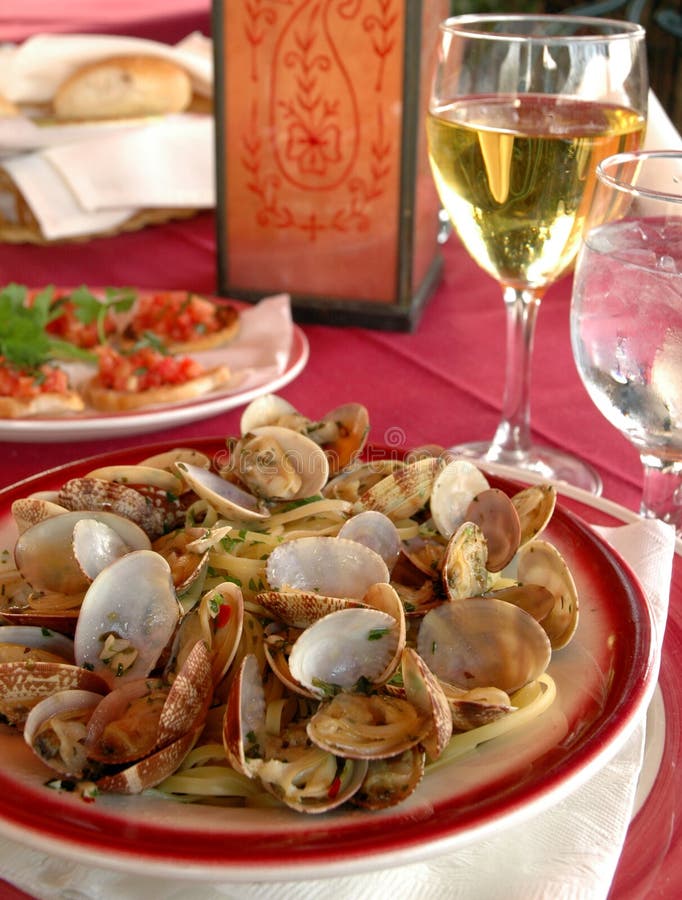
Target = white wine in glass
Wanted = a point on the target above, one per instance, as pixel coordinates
(522, 109)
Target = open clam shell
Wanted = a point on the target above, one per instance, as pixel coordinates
(280, 464)
(455, 486)
(374, 726)
(376, 531)
(23, 684)
(151, 770)
(152, 476)
(17, 642)
(154, 509)
(244, 719)
(345, 648)
(56, 727)
(127, 617)
(331, 566)
(539, 562)
(44, 553)
(424, 691)
(390, 781)
(535, 506)
(483, 642)
(226, 498)
(464, 572)
(496, 516)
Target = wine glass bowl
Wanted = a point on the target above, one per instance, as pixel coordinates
(626, 315)
(521, 110)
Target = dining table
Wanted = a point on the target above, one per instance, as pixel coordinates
(441, 382)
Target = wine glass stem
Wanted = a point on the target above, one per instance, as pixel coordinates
(662, 495)
(512, 441)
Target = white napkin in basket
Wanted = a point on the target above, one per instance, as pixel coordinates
(569, 851)
(88, 178)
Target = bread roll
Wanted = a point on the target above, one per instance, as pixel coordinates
(122, 87)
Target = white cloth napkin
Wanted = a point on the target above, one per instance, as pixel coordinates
(87, 178)
(568, 852)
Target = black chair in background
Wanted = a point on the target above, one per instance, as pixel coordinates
(662, 20)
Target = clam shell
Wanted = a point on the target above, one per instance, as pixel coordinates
(44, 553)
(423, 690)
(376, 531)
(244, 719)
(331, 566)
(390, 781)
(28, 511)
(535, 506)
(33, 636)
(59, 704)
(23, 684)
(405, 491)
(464, 572)
(474, 708)
(539, 562)
(454, 487)
(358, 478)
(280, 464)
(311, 781)
(351, 426)
(344, 648)
(496, 516)
(299, 609)
(483, 642)
(226, 498)
(134, 599)
(96, 545)
(167, 459)
(151, 770)
(138, 475)
(153, 509)
(268, 409)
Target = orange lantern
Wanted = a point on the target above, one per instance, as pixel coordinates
(323, 184)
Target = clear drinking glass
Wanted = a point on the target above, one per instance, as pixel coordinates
(521, 110)
(626, 315)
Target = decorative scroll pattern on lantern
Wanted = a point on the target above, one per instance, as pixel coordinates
(324, 189)
(306, 94)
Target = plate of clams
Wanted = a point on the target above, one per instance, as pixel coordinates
(291, 638)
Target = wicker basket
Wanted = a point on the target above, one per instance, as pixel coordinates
(18, 225)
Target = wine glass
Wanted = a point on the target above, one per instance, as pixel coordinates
(626, 315)
(521, 109)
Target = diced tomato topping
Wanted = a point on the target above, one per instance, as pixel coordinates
(69, 328)
(176, 316)
(144, 369)
(24, 385)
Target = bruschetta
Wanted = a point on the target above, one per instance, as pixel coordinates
(43, 391)
(184, 322)
(146, 377)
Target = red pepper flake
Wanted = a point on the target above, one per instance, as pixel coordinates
(334, 788)
(224, 615)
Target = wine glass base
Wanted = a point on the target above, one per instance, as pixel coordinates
(544, 462)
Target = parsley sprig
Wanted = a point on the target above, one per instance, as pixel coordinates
(24, 339)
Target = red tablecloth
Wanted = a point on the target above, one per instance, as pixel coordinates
(442, 383)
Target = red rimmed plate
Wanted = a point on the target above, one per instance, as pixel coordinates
(604, 679)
